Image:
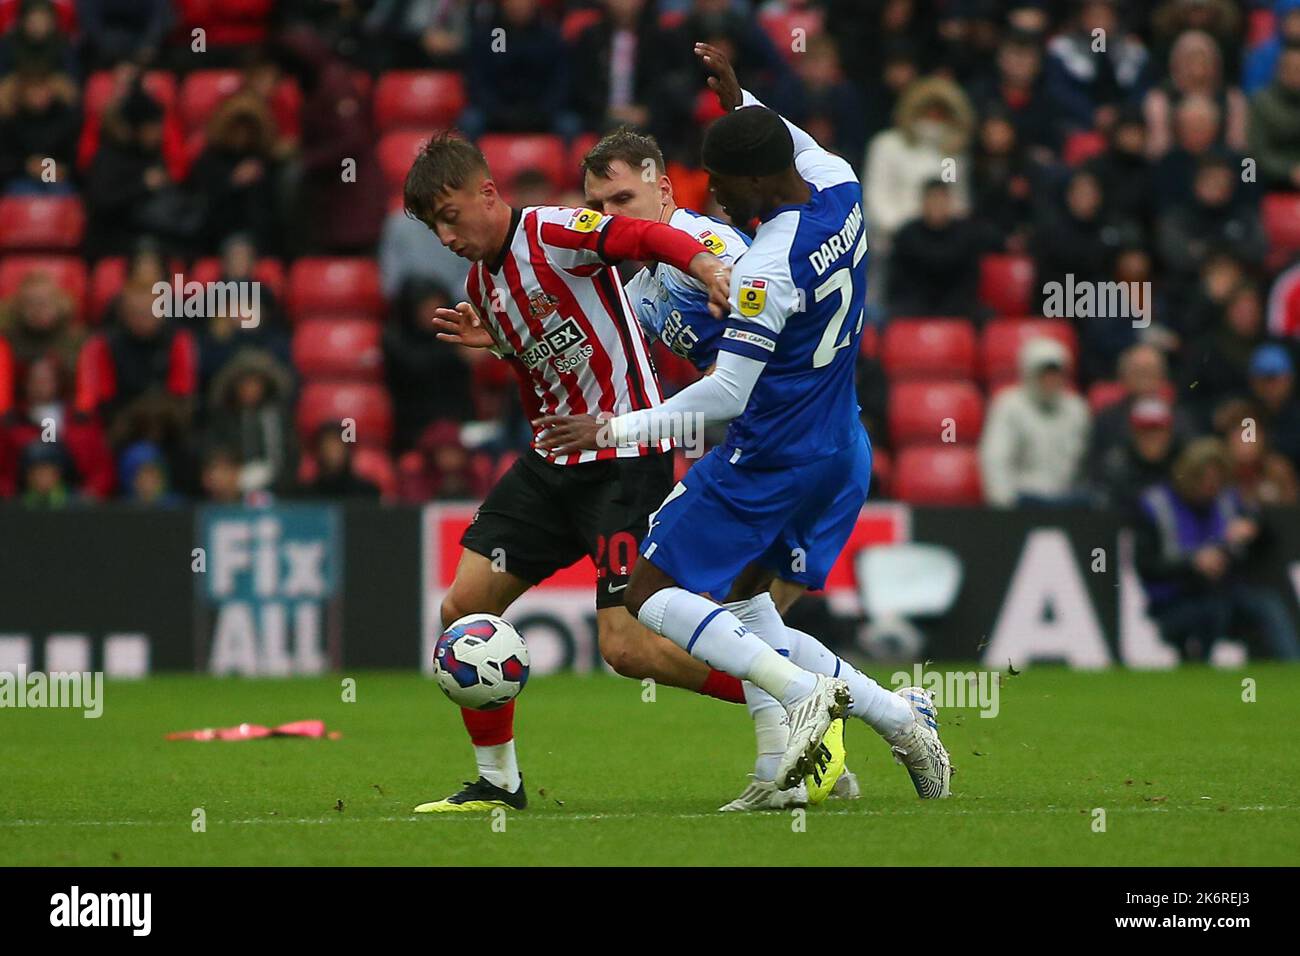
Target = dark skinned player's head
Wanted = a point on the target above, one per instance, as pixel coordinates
(749, 156)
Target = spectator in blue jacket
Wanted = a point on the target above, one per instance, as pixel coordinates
(1261, 61)
(1096, 67)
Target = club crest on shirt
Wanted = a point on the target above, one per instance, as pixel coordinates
(541, 304)
(712, 241)
(584, 220)
(752, 297)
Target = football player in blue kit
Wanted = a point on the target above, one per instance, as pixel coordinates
(624, 174)
(780, 496)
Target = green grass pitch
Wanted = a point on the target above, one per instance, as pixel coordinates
(1186, 771)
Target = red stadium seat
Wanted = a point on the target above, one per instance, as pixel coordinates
(101, 89)
(376, 466)
(203, 90)
(241, 23)
(321, 286)
(368, 462)
(105, 87)
(338, 348)
(1281, 215)
(41, 222)
(418, 99)
(396, 152)
(922, 413)
(365, 403)
(107, 279)
(8, 390)
(1105, 394)
(1284, 304)
(1002, 339)
(780, 27)
(576, 21)
(1082, 146)
(68, 272)
(105, 283)
(268, 270)
(869, 345)
(1006, 283)
(938, 475)
(882, 472)
(929, 349)
(578, 149)
(65, 15)
(509, 154)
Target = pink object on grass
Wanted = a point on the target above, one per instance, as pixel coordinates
(314, 729)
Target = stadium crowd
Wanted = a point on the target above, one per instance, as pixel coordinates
(1008, 147)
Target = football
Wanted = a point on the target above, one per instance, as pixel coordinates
(481, 662)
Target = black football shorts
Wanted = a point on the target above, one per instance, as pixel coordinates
(541, 517)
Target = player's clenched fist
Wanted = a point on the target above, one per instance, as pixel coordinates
(462, 326)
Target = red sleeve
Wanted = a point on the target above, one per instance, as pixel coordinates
(622, 237)
(182, 375)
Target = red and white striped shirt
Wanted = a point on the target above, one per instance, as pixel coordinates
(556, 308)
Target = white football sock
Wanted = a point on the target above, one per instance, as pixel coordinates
(497, 765)
(770, 730)
(711, 633)
(884, 712)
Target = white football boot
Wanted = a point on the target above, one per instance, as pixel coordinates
(809, 720)
(919, 749)
(763, 795)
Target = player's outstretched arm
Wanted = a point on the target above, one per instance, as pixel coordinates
(717, 397)
(732, 96)
(615, 239)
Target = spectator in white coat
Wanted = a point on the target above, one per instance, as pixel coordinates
(1032, 448)
(934, 122)
(930, 140)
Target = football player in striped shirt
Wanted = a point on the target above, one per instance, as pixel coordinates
(544, 296)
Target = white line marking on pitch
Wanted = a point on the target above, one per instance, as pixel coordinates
(587, 817)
